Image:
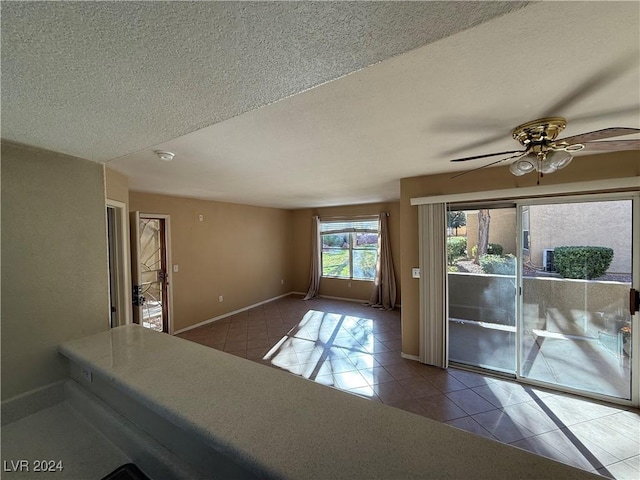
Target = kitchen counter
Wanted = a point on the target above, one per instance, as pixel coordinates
(276, 425)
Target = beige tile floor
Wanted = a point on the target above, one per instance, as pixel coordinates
(357, 349)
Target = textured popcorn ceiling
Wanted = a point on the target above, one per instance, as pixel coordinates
(103, 79)
(220, 85)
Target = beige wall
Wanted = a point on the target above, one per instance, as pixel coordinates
(335, 287)
(117, 186)
(238, 251)
(54, 262)
(594, 167)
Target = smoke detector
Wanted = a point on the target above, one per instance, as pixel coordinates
(164, 155)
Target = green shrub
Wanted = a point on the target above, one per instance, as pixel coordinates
(492, 249)
(456, 248)
(582, 262)
(335, 240)
(495, 264)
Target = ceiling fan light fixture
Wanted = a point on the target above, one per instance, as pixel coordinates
(545, 166)
(544, 154)
(559, 159)
(521, 167)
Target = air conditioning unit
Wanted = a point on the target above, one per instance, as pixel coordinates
(547, 260)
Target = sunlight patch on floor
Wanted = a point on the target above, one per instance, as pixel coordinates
(330, 348)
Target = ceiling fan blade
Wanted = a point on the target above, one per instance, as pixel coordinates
(594, 83)
(598, 135)
(468, 123)
(488, 155)
(606, 114)
(489, 164)
(612, 145)
(481, 143)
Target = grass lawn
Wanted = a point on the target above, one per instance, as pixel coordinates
(335, 263)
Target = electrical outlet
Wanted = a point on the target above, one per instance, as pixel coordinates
(201, 218)
(220, 299)
(86, 373)
(175, 269)
(415, 272)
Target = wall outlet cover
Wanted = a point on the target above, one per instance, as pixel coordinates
(86, 373)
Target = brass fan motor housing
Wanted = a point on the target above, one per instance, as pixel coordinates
(539, 134)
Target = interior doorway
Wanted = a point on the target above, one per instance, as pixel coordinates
(150, 253)
(118, 256)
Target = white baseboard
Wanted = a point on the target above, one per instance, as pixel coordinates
(410, 357)
(244, 309)
(33, 401)
(228, 314)
(355, 300)
(332, 298)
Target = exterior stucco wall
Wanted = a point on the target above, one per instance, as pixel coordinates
(596, 224)
(502, 229)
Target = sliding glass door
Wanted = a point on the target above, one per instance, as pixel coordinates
(541, 292)
(575, 329)
(481, 247)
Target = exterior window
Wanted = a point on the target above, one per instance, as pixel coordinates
(350, 248)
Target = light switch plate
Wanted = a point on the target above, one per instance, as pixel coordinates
(415, 272)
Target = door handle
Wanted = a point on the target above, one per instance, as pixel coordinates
(138, 298)
(634, 301)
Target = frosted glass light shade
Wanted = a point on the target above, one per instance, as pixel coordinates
(522, 167)
(545, 166)
(559, 159)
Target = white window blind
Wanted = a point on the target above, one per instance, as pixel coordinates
(349, 226)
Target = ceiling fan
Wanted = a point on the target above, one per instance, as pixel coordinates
(544, 153)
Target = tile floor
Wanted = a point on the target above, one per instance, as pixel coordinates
(357, 349)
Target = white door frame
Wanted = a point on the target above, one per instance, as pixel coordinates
(122, 270)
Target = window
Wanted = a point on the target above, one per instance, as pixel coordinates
(350, 248)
